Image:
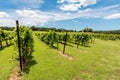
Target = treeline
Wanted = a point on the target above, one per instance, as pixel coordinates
(48, 29)
(108, 32)
(34, 28)
(6, 28)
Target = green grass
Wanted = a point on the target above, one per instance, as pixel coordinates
(7, 63)
(101, 61)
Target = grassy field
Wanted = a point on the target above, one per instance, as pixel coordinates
(100, 61)
(7, 62)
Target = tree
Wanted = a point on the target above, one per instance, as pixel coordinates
(87, 30)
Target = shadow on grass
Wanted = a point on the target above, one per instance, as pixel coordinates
(54, 47)
(68, 44)
(29, 64)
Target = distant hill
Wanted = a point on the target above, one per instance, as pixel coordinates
(108, 32)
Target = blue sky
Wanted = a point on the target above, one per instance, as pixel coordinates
(68, 14)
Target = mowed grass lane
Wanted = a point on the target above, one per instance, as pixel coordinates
(49, 64)
(101, 61)
(7, 62)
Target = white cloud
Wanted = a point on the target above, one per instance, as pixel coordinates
(113, 16)
(3, 15)
(5, 19)
(112, 6)
(60, 1)
(87, 2)
(73, 1)
(74, 5)
(69, 1)
(7, 22)
(32, 17)
(70, 7)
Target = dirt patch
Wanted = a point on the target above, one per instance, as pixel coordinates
(64, 55)
(117, 71)
(16, 75)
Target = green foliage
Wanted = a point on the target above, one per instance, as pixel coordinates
(5, 36)
(26, 42)
(49, 38)
(82, 39)
(87, 30)
(99, 62)
(107, 36)
(53, 37)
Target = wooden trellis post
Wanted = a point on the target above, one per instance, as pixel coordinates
(65, 41)
(19, 47)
